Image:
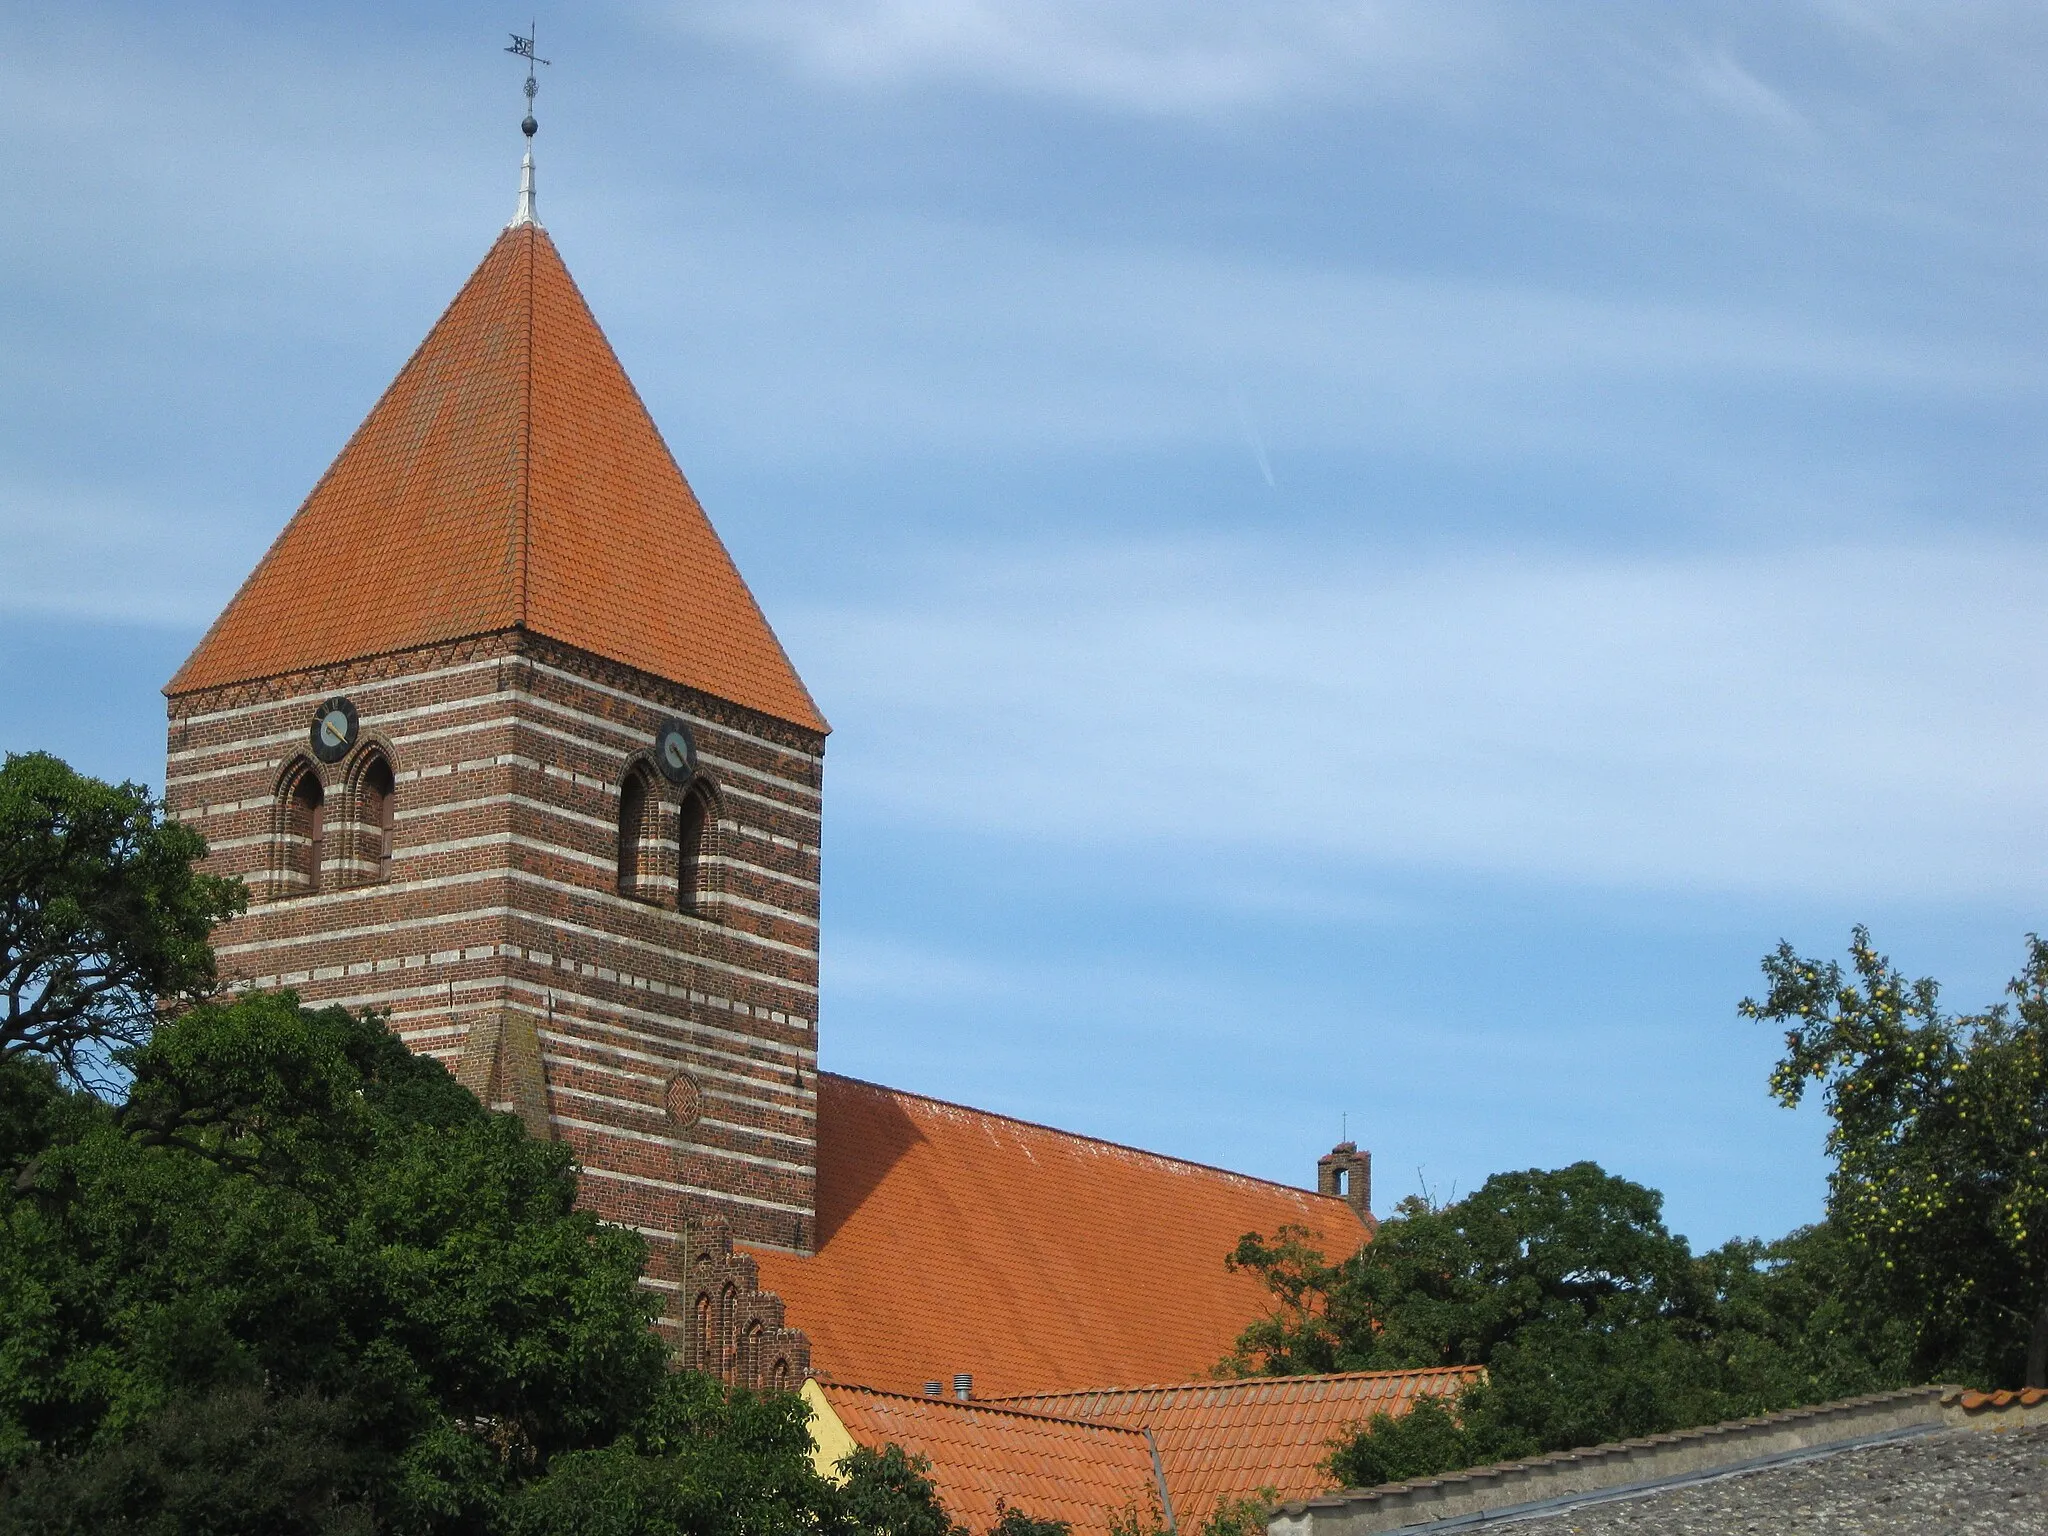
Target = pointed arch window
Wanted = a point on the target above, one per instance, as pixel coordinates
(700, 1332)
(305, 831)
(376, 812)
(747, 1370)
(728, 1330)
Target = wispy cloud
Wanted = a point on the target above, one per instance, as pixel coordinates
(72, 554)
(1149, 56)
(1005, 342)
(1819, 721)
(1724, 79)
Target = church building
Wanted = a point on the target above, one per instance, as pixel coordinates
(505, 749)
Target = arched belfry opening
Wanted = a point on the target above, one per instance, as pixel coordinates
(302, 834)
(635, 823)
(697, 851)
(376, 815)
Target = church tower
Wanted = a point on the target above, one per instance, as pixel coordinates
(504, 748)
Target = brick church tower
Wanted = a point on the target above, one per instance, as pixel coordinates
(504, 748)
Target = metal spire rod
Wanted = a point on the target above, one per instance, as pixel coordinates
(522, 47)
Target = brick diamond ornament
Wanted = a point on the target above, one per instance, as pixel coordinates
(684, 1101)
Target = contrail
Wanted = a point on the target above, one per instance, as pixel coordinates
(1251, 435)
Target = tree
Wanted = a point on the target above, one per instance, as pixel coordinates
(890, 1493)
(301, 1281)
(101, 915)
(1242, 1515)
(241, 1459)
(278, 1274)
(701, 1460)
(1422, 1442)
(1450, 1285)
(292, 1203)
(1940, 1143)
(1593, 1321)
(1014, 1522)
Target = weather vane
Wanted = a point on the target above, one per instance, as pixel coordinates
(522, 47)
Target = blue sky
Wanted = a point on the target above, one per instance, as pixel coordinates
(1366, 559)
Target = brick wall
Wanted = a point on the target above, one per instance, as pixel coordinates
(674, 1050)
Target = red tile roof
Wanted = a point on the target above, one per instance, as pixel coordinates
(2025, 1397)
(509, 477)
(951, 1239)
(1229, 1439)
(1050, 1468)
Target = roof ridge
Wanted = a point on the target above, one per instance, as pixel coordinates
(988, 1404)
(1101, 1141)
(220, 619)
(1239, 1381)
(524, 504)
(633, 390)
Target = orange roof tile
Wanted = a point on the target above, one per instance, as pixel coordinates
(2026, 1397)
(951, 1239)
(509, 477)
(1227, 1439)
(1050, 1468)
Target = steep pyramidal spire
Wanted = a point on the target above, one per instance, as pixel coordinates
(510, 478)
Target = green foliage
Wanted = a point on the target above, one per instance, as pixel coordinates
(700, 1461)
(301, 1281)
(888, 1493)
(101, 915)
(237, 1462)
(1422, 1442)
(1014, 1522)
(1800, 1321)
(1593, 1321)
(297, 1279)
(1242, 1516)
(1575, 1251)
(1133, 1519)
(291, 1201)
(1940, 1121)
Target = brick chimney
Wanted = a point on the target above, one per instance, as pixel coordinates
(1346, 1172)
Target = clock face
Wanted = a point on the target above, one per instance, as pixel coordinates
(675, 754)
(334, 730)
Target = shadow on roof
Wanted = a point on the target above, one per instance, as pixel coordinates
(863, 1132)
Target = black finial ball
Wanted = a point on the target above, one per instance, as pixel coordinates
(529, 127)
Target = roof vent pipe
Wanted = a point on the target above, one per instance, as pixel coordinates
(963, 1385)
(935, 1389)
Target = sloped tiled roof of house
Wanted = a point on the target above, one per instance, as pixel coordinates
(1049, 1468)
(1229, 1439)
(510, 477)
(953, 1239)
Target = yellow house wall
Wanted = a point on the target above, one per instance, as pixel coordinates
(829, 1440)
